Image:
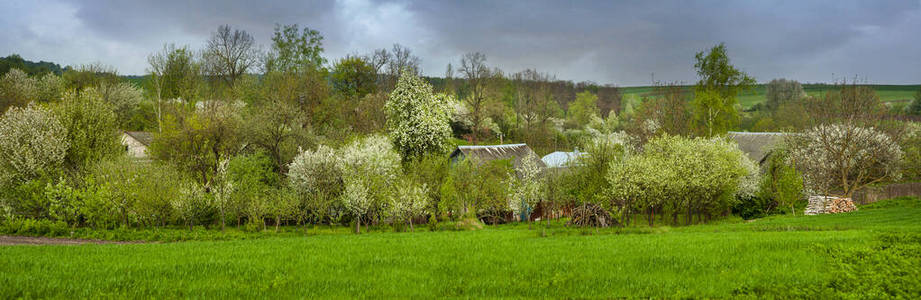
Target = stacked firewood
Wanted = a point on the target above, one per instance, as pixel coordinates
(829, 205)
(591, 215)
(839, 205)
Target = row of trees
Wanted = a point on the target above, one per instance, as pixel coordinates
(364, 140)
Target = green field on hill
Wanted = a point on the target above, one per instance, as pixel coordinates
(872, 253)
(886, 93)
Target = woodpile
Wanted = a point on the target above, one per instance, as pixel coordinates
(590, 215)
(829, 205)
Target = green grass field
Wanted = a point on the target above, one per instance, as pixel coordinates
(873, 252)
(886, 93)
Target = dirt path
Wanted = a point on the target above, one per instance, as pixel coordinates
(6, 240)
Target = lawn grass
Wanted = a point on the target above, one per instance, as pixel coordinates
(799, 256)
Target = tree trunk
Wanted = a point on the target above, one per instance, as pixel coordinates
(223, 218)
(411, 229)
(652, 216)
(357, 226)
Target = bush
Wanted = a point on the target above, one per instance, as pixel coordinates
(478, 190)
(156, 186)
(781, 185)
(697, 176)
(360, 176)
(33, 143)
(34, 227)
(193, 205)
(252, 180)
(92, 129)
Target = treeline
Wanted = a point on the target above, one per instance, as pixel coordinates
(14, 61)
(255, 138)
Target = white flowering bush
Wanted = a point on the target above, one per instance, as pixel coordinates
(315, 176)
(33, 142)
(842, 158)
(679, 175)
(750, 184)
(418, 121)
(525, 188)
(315, 171)
(123, 97)
(409, 200)
(192, 204)
(359, 175)
(17, 89)
(356, 199)
(50, 87)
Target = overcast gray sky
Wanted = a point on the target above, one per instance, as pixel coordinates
(620, 42)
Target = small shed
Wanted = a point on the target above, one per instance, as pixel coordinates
(136, 143)
(757, 145)
(560, 159)
(515, 152)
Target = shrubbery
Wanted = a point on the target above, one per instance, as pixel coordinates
(678, 176)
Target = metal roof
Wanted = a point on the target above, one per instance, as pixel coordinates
(561, 159)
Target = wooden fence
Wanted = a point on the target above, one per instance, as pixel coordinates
(876, 193)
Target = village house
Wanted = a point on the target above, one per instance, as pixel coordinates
(136, 143)
(757, 145)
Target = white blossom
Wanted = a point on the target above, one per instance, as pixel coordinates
(32, 142)
(525, 189)
(418, 121)
(844, 158)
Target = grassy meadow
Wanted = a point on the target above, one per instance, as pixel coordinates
(886, 93)
(873, 252)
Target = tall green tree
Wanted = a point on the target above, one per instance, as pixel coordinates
(583, 108)
(715, 97)
(295, 50)
(353, 77)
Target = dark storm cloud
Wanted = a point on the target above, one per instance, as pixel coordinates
(604, 41)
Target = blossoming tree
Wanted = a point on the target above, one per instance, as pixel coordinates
(418, 121)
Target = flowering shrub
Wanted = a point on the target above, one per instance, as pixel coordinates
(33, 142)
(409, 200)
(17, 89)
(360, 175)
(526, 189)
(691, 176)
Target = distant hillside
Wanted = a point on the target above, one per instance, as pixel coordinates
(30, 67)
(887, 93)
(564, 90)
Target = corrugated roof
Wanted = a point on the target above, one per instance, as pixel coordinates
(484, 153)
(757, 145)
(560, 159)
(142, 137)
